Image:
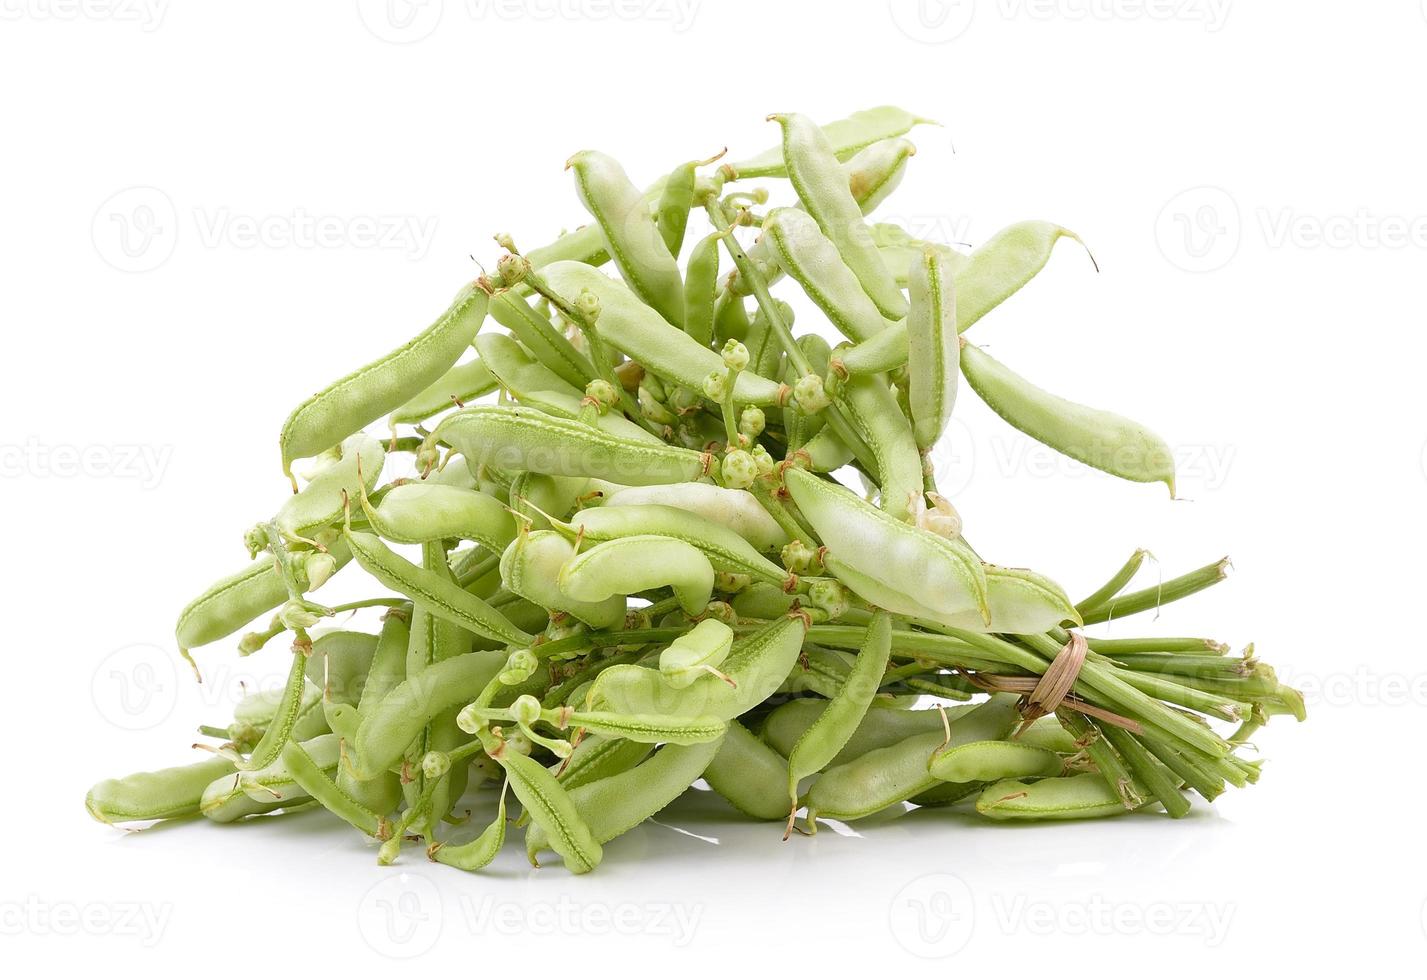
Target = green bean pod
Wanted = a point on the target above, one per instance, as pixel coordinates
(535, 331)
(991, 760)
(829, 734)
(644, 260)
(887, 561)
(884, 777)
(389, 726)
(370, 392)
(161, 795)
(462, 383)
(724, 547)
(757, 666)
(629, 565)
(415, 513)
(231, 603)
(596, 757)
(652, 729)
(1058, 798)
(355, 467)
(340, 663)
(1021, 601)
(441, 596)
(475, 854)
(1106, 441)
(531, 567)
(822, 187)
(553, 811)
(736, 510)
(933, 362)
(275, 781)
(526, 439)
(750, 775)
(846, 137)
(879, 728)
(701, 290)
(616, 804)
(638, 331)
(675, 203)
(804, 252)
(317, 784)
(870, 406)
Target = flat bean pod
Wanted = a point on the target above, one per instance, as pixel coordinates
(531, 567)
(1104, 440)
(438, 594)
(414, 513)
(813, 169)
(634, 242)
(749, 775)
(462, 383)
(629, 565)
(535, 331)
(846, 137)
(638, 331)
(1058, 798)
(933, 362)
(893, 560)
(736, 510)
(526, 439)
(160, 795)
(988, 761)
(370, 392)
(552, 810)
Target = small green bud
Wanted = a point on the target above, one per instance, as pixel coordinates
(434, 765)
(751, 421)
(735, 355)
(739, 470)
(810, 395)
(716, 386)
(525, 710)
(763, 460)
(588, 305)
(602, 394)
(830, 596)
(255, 540)
(504, 240)
(797, 557)
(519, 667)
(251, 643)
(511, 269)
(731, 581)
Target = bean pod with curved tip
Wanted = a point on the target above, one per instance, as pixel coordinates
(982, 281)
(414, 513)
(357, 466)
(724, 548)
(736, 510)
(870, 406)
(1104, 440)
(701, 289)
(696, 653)
(438, 594)
(812, 259)
(933, 348)
(629, 565)
(846, 137)
(890, 563)
(757, 665)
(475, 854)
(829, 734)
(887, 776)
(988, 761)
(822, 187)
(389, 726)
(535, 331)
(638, 331)
(231, 603)
(370, 392)
(552, 810)
(750, 775)
(1021, 601)
(1058, 798)
(527, 439)
(160, 795)
(531, 566)
(618, 207)
(463, 383)
(619, 803)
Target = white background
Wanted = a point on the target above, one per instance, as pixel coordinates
(1249, 177)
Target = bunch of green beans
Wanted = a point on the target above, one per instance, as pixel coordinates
(616, 556)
